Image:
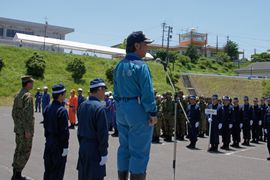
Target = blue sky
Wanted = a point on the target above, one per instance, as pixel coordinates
(108, 22)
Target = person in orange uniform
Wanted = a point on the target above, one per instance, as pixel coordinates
(73, 105)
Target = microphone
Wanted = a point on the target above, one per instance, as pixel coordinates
(164, 63)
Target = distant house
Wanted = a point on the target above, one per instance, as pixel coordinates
(258, 69)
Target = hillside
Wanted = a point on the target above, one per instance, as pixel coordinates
(14, 59)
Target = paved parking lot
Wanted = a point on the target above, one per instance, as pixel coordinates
(246, 163)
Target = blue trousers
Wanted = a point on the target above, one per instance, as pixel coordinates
(135, 136)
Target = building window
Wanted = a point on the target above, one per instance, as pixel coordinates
(12, 32)
(2, 32)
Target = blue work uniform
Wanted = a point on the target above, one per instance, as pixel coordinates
(45, 101)
(38, 97)
(57, 137)
(226, 120)
(81, 99)
(135, 103)
(266, 125)
(247, 117)
(194, 116)
(256, 127)
(109, 113)
(237, 117)
(216, 120)
(93, 139)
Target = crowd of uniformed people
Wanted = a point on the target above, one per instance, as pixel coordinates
(233, 122)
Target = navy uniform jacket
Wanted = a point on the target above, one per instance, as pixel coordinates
(81, 99)
(226, 116)
(266, 123)
(247, 114)
(216, 119)
(45, 101)
(256, 114)
(237, 117)
(263, 108)
(93, 138)
(56, 125)
(193, 113)
(38, 97)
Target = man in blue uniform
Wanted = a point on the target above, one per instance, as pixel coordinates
(237, 117)
(38, 97)
(216, 123)
(81, 98)
(135, 109)
(56, 134)
(93, 134)
(263, 107)
(247, 121)
(194, 115)
(45, 98)
(226, 123)
(266, 126)
(257, 121)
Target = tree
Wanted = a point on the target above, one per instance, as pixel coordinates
(192, 53)
(36, 65)
(77, 68)
(231, 48)
(109, 74)
(262, 57)
(222, 57)
(123, 44)
(1, 63)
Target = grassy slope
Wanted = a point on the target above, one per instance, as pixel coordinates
(227, 86)
(14, 59)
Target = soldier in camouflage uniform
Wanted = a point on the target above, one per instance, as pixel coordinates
(156, 133)
(162, 123)
(203, 121)
(23, 116)
(181, 120)
(168, 116)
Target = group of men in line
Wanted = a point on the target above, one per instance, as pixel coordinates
(231, 119)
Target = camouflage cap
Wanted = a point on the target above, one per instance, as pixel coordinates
(27, 78)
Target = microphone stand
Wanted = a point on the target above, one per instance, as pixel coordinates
(176, 101)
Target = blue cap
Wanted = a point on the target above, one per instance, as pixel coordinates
(215, 96)
(58, 88)
(268, 98)
(255, 99)
(235, 99)
(192, 97)
(137, 37)
(226, 98)
(245, 97)
(96, 83)
(262, 98)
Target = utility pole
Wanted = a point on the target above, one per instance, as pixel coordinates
(228, 38)
(217, 44)
(163, 32)
(169, 36)
(255, 51)
(45, 33)
(205, 48)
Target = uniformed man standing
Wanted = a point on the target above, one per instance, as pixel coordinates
(93, 134)
(168, 116)
(266, 126)
(156, 133)
(181, 120)
(226, 123)
(23, 116)
(38, 97)
(216, 124)
(203, 120)
(194, 115)
(263, 107)
(57, 135)
(136, 109)
(81, 98)
(237, 117)
(257, 121)
(247, 121)
(45, 98)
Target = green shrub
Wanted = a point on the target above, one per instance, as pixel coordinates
(35, 66)
(1, 63)
(109, 74)
(266, 88)
(77, 68)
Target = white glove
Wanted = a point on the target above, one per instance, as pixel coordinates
(260, 122)
(230, 126)
(265, 131)
(219, 125)
(241, 125)
(104, 160)
(251, 122)
(209, 120)
(197, 124)
(65, 152)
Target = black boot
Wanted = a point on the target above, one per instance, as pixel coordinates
(168, 139)
(138, 177)
(122, 175)
(192, 145)
(115, 134)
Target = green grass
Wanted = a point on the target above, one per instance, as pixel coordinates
(207, 86)
(14, 59)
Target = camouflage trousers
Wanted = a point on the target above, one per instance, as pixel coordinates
(181, 125)
(168, 125)
(22, 152)
(203, 125)
(157, 127)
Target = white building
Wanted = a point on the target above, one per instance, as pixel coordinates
(9, 27)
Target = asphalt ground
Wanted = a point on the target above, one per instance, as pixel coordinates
(246, 163)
